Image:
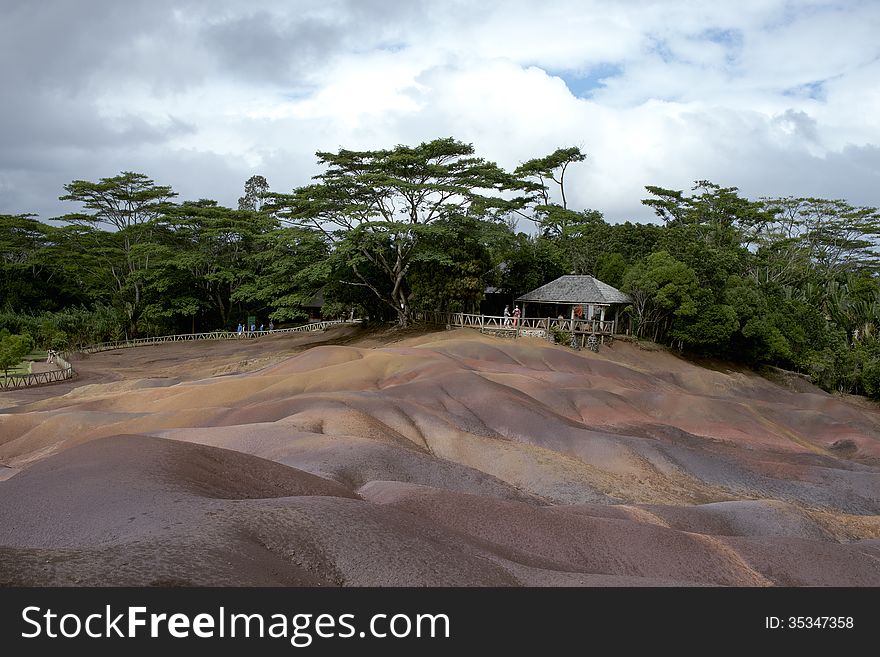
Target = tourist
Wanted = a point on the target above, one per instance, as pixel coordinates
(507, 315)
(516, 316)
(240, 328)
(271, 325)
(261, 326)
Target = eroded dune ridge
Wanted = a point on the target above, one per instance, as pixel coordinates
(445, 459)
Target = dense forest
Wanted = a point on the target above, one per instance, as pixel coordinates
(791, 282)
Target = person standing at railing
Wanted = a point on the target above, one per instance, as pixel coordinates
(516, 313)
(507, 315)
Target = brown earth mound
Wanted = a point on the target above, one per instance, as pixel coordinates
(443, 459)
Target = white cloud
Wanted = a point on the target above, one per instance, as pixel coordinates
(774, 97)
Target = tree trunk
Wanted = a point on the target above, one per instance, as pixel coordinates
(401, 305)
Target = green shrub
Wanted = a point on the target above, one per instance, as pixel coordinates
(560, 336)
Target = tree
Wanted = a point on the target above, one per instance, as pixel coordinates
(835, 236)
(632, 241)
(582, 238)
(662, 288)
(551, 168)
(12, 349)
(255, 190)
(393, 199)
(451, 266)
(554, 219)
(216, 247)
(610, 268)
(707, 328)
(129, 203)
(288, 265)
(530, 262)
(718, 215)
(22, 270)
(124, 201)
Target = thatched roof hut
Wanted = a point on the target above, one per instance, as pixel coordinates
(573, 296)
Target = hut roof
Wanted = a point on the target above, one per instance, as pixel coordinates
(576, 289)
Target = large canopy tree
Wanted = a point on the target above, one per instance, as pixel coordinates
(393, 199)
(717, 216)
(128, 204)
(455, 264)
(289, 265)
(23, 269)
(214, 246)
(830, 236)
(662, 289)
(553, 218)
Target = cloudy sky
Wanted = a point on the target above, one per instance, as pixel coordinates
(776, 98)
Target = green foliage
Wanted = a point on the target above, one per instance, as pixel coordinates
(560, 336)
(791, 282)
(869, 356)
(549, 168)
(529, 262)
(256, 188)
(70, 328)
(221, 253)
(611, 268)
(130, 203)
(662, 289)
(709, 329)
(450, 266)
(717, 216)
(13, 348)
(392, 199)
(37, 271)
(363, 295)
(290, 265)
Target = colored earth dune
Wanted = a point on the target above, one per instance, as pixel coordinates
(444, 458)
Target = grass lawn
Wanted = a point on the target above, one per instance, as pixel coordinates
(23, 367)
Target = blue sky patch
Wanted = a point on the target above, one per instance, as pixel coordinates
(583, 84)
(813, 90)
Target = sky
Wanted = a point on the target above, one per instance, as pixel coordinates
(776, 98)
